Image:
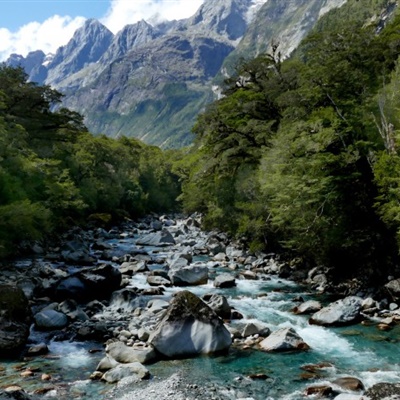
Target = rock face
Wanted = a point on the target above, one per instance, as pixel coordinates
(284, 22)
(285, 339)
(341, 312)
(15, 318)
(188, 328)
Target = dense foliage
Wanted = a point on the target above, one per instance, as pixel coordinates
(53, 173)
(302, 154)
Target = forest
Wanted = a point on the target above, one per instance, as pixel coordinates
(299, 156)
(54, 174)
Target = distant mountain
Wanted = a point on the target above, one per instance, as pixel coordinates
(150, 82)
(281, 22)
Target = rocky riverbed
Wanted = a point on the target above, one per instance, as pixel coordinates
(160, 309)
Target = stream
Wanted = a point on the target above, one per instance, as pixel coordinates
(360, 351)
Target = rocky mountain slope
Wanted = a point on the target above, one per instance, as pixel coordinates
(150, 82)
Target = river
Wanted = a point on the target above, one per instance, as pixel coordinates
(360, 351)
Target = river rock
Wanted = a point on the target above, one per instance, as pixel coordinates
(252, 328)
(126, 370)
(158, 281)
(394, 287)
(224, 281)
(384, 391)
(71, 309)
(219, 304)
(160, 238)
(342, 312)
(101, 281)
(349, 383)
(71, 288)
(189, 327)
(308, 307)
(15, 319)
(318, 391)
(38, 350)
(285, 339)
(91, 283)
(50, 320)
(106, 363)
(124, 354)
(188, 276)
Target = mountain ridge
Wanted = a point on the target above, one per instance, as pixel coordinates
(150, 82)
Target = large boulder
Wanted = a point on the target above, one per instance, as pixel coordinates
(15, 319)
(91, 283)
(189, 276)
(158, 239)
(342, 312)
(189, 327)
(285, 339)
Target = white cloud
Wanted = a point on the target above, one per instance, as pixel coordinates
(123, 12)
(48, 36)
(58, 30)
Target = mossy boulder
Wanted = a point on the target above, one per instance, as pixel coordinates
(189, 327)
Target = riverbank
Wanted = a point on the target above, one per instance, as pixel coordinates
(122, 306)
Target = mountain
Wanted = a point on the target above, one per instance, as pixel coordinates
(280, 22)
(151, 81)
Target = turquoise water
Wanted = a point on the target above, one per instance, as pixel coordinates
(360, 351)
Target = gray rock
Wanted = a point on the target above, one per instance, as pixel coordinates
(251, 329)
(285, 339)
(71, 309)
(158, 281)
(308, 307)
(131, 267)
(106, 363)
(50, 319)
(189, 327)
(191, 275)
(342, 312)
(126, 370)
(91, 283)
(394, 287)
(349, 383)
(124, 354)
(38, 350)
(224, 281)
(160, 238)
(220, 305)
(157, 225)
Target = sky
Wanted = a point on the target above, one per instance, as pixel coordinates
(29, 25)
